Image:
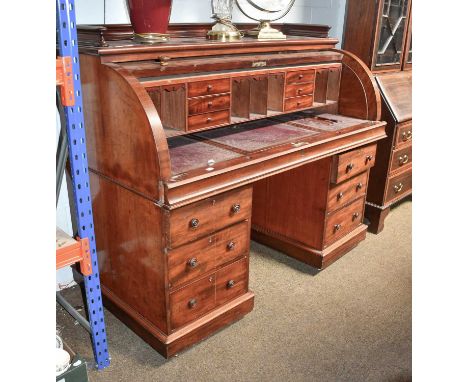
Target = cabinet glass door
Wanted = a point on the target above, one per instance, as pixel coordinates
(391, 37)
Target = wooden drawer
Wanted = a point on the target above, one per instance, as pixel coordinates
(201, 121)
(401, 158)
(404, 133)
(300, 76)
(343, 221)
(346, 192)
(192, 301)
(208, 104)
(232, 281)
(193, 260)
(202, 218)
(297, 90)
(398, 186)
(348, 164)
(202, 88)
(297, 103)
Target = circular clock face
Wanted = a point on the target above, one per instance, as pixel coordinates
(268, 10)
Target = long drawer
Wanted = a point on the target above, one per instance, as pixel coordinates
(398, 185)
(346, 192)
(343, 221)
(212, 214)
(194, 259)
(401, 158)
(353, 162)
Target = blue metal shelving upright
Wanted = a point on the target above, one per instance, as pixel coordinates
(68, 46)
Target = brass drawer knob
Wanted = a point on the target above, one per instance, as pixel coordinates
(349, 167)
(209, 87)
(301, 76)
(403, 160)
(299, 91)
(340, 195)
(210, 104)
(359, 186)
(192, 303)
(235, 208)
(407, 135)
(398, 187)
(355, 215)
(230, 284)
(192, 262)
(209, 119)
(231, 245)
(337, 227)
(194, 223)
(369, 158)
(298, 103)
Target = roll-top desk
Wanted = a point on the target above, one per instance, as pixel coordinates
(194, 144)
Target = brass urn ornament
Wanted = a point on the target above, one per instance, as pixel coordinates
(265, 11)
(224, 29)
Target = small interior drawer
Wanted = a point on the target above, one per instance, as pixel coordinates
(202, 121)
(346, 192)
(202, 218)
(398, 185)
(202, 88)
(300, 76)
(192, 301)
(298, 103)
(343, 221)
(232, 281)
(297, 90)
(208, 104)
(401, 158)
(404, 133)
(353, 162)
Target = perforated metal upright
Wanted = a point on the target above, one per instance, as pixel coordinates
(68, 46)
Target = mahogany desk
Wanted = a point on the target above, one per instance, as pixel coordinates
(192, 144)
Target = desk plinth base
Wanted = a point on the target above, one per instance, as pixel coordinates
(170, 345)
(318, 259)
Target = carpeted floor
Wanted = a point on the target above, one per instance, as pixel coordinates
(350, 322)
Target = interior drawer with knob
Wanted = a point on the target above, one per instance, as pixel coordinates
(192, 301)
(209, 215)
(300, 76)
(343, 221)
(203, 121)
(342, 194)
(353, 162)
(398, 185)
(401, 158)
(297, 90)
(192, 260)
(232, 281)
(202, 88)
(298, 103)
(404, 133)
(208, 104)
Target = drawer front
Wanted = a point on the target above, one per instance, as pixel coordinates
(401, 158)
(233, 242)
(300, 76)
(297, 103)
(202, 121)
(404, 133)
(208, 104)
(202, 218)
(202, 88)
(346, 192)
(297, 90)
(344, 221)
(232, 281)
(192, 301)
(398, 185)
(192, 260)
(349, 164)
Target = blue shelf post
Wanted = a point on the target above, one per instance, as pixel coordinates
(68, 46)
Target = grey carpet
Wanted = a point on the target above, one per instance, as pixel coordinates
(350, 322)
